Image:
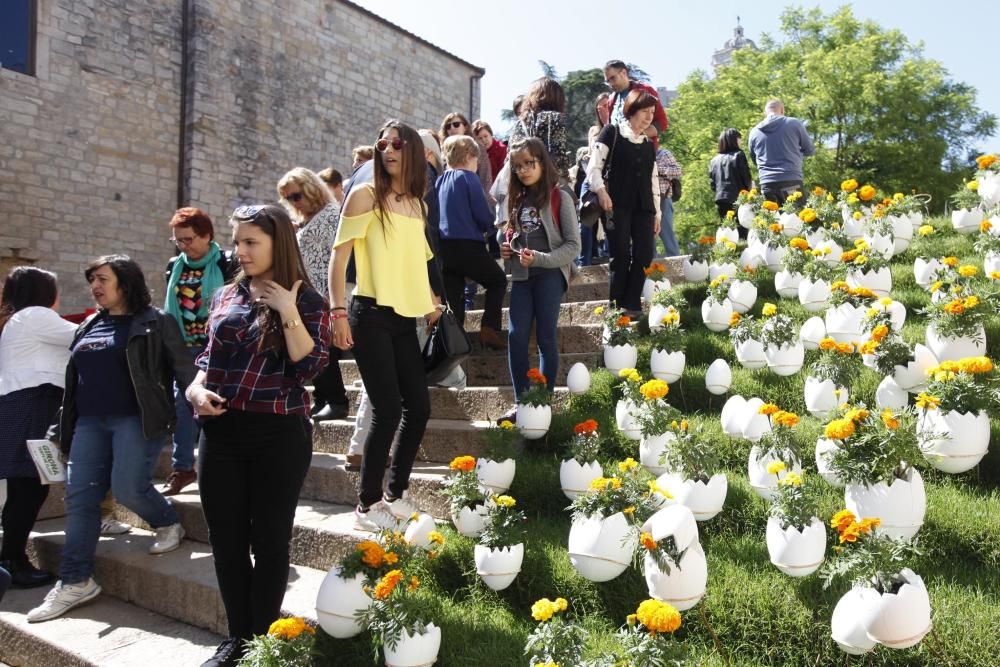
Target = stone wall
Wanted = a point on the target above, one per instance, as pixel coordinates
(90, 147)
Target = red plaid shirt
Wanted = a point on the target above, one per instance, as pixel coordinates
(255, 381)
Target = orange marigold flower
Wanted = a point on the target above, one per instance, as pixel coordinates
(768, 409)
(985, 226)
(535, 376)
(842, 519)
(880, 332)
(849, 256)
(819, 191)
(385, 586)
(769, 206)
(799, 243)
(828, 344)
(868, 524)
(955, 307)
(623, 321)
(775, 227)
(706, 240)
(866, 193)
(373, 553)
(586, 428)
(851, 533)
(647, 541)
(845, 348)
(463, 463)
(734, 319)
(786, 419)
(889, 419)
(986, 161)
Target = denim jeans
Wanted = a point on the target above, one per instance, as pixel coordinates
(586, 246)
(667, 227)
(187, 430)
(108, 452)
(535, 300)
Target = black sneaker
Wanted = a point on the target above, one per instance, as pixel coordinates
(25, 575)
(229, 654)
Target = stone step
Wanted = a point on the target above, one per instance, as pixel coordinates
(574, 313)
(322, 534)
(469, 404)
(443, 440)
(578, 291)
(107, 632)
(492, 370)
(180, 584)
(570, 338)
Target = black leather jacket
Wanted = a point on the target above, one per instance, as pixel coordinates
(156, 355)
(728, 173)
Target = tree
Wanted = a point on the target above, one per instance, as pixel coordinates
(877, 109)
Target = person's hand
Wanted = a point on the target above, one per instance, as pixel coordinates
(656, 227)
(527, 257)
(342, 334)
(432, 318)
(277, 298)
(205, 403)
(505, 251)
(604, 199)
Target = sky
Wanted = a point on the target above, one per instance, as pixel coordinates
(509, 38)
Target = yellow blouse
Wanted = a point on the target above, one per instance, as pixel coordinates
(391, 258)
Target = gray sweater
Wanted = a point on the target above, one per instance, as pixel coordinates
(565, 246)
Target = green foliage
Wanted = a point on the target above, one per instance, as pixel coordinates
(796, 500)
(464, 490)
(875, 451)
(501, 441)
(504, 525)
(558, 640)
(691, 454)
(275, 651)
(629, 490)
(868, 556)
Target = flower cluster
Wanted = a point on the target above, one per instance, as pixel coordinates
(656, 271)
(501, 440)
(289, 641)
(849, 529)
(504, 524)
(618, 327)
(873, 447)
(556, 640)
(538, 393)
(463, 488)
(966, 385)
(658, 616)
(797, 499)
(864, 555)
(628, 492)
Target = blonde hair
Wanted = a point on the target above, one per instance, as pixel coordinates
(363, 153)
(313, 189)
(459, 149)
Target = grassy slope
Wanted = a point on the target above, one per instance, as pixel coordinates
(760, 616)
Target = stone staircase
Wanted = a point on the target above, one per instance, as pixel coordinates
(169, 605)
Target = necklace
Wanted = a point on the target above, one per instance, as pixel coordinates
(398, 195)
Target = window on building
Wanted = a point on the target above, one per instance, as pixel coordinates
(17, 35)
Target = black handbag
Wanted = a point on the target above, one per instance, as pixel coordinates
(446, 347)
(675, 189)
(590, 206)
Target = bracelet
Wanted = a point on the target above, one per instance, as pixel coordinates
(292, 324)
(338, 316)
(338, 308)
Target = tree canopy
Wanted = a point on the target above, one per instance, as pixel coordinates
(876, 108)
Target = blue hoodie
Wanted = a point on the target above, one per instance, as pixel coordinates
(463, 211)
(777, 146)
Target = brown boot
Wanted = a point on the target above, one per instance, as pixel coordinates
(491, 339)
(178, 480)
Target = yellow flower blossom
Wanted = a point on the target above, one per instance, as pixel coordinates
(658, 617)
(967, 271)
(289, 628)
(791, 479)
(628, 464)
(839, 429)
(769, 309)
(927, 401)
(925, 230)
(889, 419)
(507, 425)
(775, 467)
(505, 501)
(850, 185)
(654, 390)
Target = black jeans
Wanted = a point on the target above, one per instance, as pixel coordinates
(632, 243)
(778, 191)
(461, 259)
(725, 207)
(329, 384)
(25, 496)
(392, 369)
(252, 466)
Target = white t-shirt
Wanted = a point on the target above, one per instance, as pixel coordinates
(34, 349)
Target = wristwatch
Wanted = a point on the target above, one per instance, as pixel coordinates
(292, 324)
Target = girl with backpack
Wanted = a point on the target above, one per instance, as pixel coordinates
(542, 238)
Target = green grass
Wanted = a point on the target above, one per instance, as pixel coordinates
(760, 616)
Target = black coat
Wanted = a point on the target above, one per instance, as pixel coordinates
(729, 173)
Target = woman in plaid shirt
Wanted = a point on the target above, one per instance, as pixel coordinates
(269, 334)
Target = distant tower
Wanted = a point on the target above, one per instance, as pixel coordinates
(724, 56)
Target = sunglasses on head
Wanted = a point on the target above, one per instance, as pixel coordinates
(382, 145)
(250, 214)
(455, 124)
(294, 197)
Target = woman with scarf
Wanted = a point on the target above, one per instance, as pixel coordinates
(193, 275)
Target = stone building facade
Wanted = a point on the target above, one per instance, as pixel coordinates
(136, 107)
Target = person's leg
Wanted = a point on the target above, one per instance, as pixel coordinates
(723, 207)
(133, 463)
(642, 238)
(25, 496)
(547, 293)
(667, 228)
(4, 582)
(88, 477)
(224, 469)
(454, 278)
(478, 265)
(621, 257)
(329, 394)
(586, 245)
(521, 315)
(186, 433)
(412, 383)
(276, 477)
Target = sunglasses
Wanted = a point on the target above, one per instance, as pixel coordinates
(455, 124)
(382, 145)
(295, 197)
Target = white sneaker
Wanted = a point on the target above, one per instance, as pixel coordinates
(111, 526)
(62, 598)
(168, 538)
(401, 508)
(374, 520)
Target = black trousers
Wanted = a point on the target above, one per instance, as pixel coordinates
(252, 467)
(725, 207)
(778, 191)
(461, 259)
(632, 243)
(392, 368)
(329, 384)
(25, 496)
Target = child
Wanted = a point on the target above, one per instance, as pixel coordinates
(465, 217)
(545, 248)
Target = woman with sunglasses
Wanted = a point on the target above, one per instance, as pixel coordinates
(268, 335)
(384, 226)
(316, 215)
(456, 124)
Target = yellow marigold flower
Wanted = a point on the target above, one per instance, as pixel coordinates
(630, 374)
(885, 301)
(769, 309)
(799, 243)
(730, 214)
(786, 419)
(631, 619)
(839, 429)
(605, 484)
(866, 193)
(975, 365)
(927, 401)
(863, 291)
(628, 464)
(560, 604)
(718, 280)
(791, 479)
(658, 616)
(729, 244)
(889, 419)
(848, 256)
(872, 313)
(769, 206)
(505, 501)
(867, 524)
(925, 230)
(414, 584)
(868, 347)
(391, 558)
(542, 610)
(828, 344)
(950, 261)
(385, 586)
(850, 185)
(435, 537)
(629, 511)
(829, 197)
(985, 226)
(967, 271)
(944, 376)
(655, 488)
(463, 463)
(852, 198)
(775, 227)
(935, 286)
(672, 317)
(767, 409)
(971, 301)
(880, 332)
(856, 415)
(647, 541)
(972, 185)
(684, 422)
(807, 215)
(734, 319)
(850, 534)
(774, 467)
(861, 260)
(507, 425)
(289, 628)
(654, 390)
(842, 519)
(599, 310)
(986, 161)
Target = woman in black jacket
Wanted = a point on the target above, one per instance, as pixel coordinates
(118, 408)
(729, 172)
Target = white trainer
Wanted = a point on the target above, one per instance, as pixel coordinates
(401, 508)
(62, 598)
(168, 538)
(374, 520)
(111, 526)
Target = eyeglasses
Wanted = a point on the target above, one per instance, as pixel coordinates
(294, 197)
(455, 124)
(382, 145)
(527, 165)
(182, 241)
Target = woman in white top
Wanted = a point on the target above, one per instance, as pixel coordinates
(34, 349)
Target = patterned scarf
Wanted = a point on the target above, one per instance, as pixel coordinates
(211, 280)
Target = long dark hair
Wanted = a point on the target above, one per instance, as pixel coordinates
(728, 140)
(131, 280)
(286, 265)
(545, 94)
(413, 169)
(26, 286)
(536, 195)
